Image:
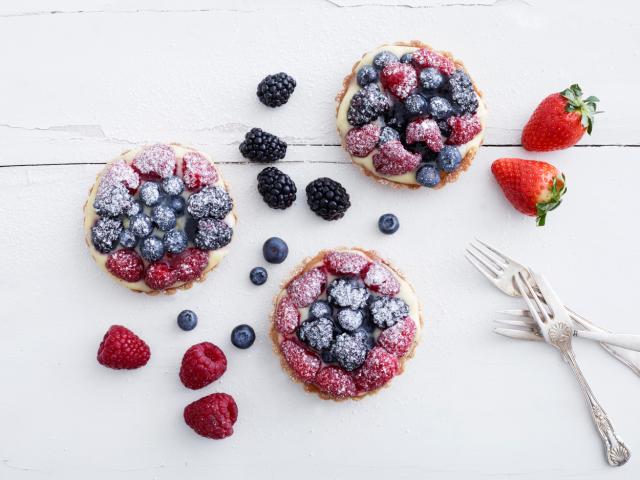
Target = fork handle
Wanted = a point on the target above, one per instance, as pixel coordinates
(616, 451)
(623, 340)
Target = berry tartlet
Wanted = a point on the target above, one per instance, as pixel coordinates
(159, 218)
(411, 116)
(345, 323)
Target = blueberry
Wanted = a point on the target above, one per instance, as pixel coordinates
(439, 108)
(152, 249)
(164, 217)
(347, 292)
(243, 336)
(388, 223)
(449, 158)
(445, 128)
(431, 78)
(177, 204)
(406, 58)
(383, 59)
(275, 250)
(388, 134)
(428, 175)
(258, 275)
(150, 193)
(128, 239)
(135, 208)
(187, 320)
(320, 308)
(141, 225)
(327, 357)
(173, 185)
(175, 241)
(397, 117)
(367, 75)
(416, 104)
(349, 319)
(365, 337)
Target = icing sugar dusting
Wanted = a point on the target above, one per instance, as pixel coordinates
(119, 172)
(157, 160)
(425, 130)
(361, 141)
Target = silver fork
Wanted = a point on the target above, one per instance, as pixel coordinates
(557, 329)
(499, 269)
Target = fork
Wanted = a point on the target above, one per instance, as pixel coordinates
(557, 329)
(499, 269)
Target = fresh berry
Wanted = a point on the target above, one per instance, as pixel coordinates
(212, 234)
(287, 316)
(463, 129)
(213, 202)
(112, 201)
(164, 217)
(366, 75)
(172, 185)
(388, 223)
(383, 59)
(135, 208)
(335, 382)
(394, 159)
(307, 287)
(152, 248)
(128, 239)
(243, 336)
(187, 320)
(275, 250)
(361, 141)
(177, 203)
(175, 241)
(141, 225)
(406, 58)
(444, 127)
(439, 108)
(277, 189)
(304, 364)
(122, 349)
(105, 234)
(190, 264)
(397, 117)
(559, 121)
(348, 351)
(428, 175)
(388, 134)
(258, 275)
(387, 311)
(345, 263)
(425, 58)
(379, 367)
(327, 198)
(275, 90)
(317, 333)
(160, 275)
(263, 147)
(425, 130)
(380, 279)
(400, 79)
(365, 335)
(320, 308)
(212, 416)
(431, 79)
(150, 194)
(197, 171)
(347, 292)
(462, 92)
(156, 161)
(126, 264)
(449, 159)
(349, 319)
(532, 187)
(416, 105)
(367, 105)
(202, 364)
(397, 340)
(119, 172)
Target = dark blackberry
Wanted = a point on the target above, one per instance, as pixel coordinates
(346, 292)
(212, 202)
(383, 59)
(212, 234)
(365, 337)
(367, 105)
(349, 351)
(397, 117)
(263, 147)
(327, 198)
(105, 234)
(275, 90)
(277, 189)
(386, 312)
(461, 91)
(317, 333)
(113, 202)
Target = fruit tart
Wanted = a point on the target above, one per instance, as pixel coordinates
(159, 218)
(345, 323)
(411, 116)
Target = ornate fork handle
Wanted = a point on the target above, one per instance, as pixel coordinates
(616, 451)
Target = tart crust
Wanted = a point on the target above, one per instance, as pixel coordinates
(306, 265)
(444, 176)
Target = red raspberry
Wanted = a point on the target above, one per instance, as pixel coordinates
(343, 263)
(307, 287)
(427, 58)
(394, 159)
(190, 264)
(202, 364)
(335, 382)
(379, 367)
(463, 129)
(212, 416)
(126, 264)
(122, 349)
(425, 130)
(287, 316)
(400, 79)
(303, 363)
(160, 275)
(197, 171)
(361, 141)
(156, 161)
(397, 340)
(380, 279)
(119, 172)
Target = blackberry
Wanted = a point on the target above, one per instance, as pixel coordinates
(346, 292)
(277, 189)
(105, 234)
(367, 105)
(365, 337)
(327, 198)
(386, 312)
(349, 351)
(212, 202)
(113, 202)
(263, 147)
(461, 90)
(397, 117)
(212, 234)
(275, 90)
(317, 333)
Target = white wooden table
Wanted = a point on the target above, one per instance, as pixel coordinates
(82, 81)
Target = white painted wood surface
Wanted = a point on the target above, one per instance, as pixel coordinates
(82, 81)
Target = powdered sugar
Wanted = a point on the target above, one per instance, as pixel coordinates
(463, 129)
(400, 79)
(157, 160)
(379, 367)
(212, 202)
(345, 263)
(119, 172)
(335, 382)
(112, 201)
(428, 58)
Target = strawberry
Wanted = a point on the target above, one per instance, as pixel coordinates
(212, 416)
(532, 187)
(202, 364)
(559, 121)
(122, 349)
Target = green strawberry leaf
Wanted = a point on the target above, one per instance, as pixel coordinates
(542, 208)
(586, 107)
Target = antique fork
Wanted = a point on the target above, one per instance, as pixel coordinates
(557, 329)
(499, 269)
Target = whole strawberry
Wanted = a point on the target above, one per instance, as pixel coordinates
(212, 416)
(122, 349)
(559, 121)
(532, 187)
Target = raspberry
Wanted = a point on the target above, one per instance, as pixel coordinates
(307, 287)
(202, 364)
(126, 264)
(424, 58)
(425, 130)
(380, 279)
(160, 275)
(463, 129)
(190, 264)
(335, 383)
(156, 161)
(212, 416)
(197, 171)
(379, 367)
(304, 364)
(342, 263)
(287, 316)
(361, 141)
(119, 172)
(394, 159)
(122, 349)
(398, 339)
(400, 79)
